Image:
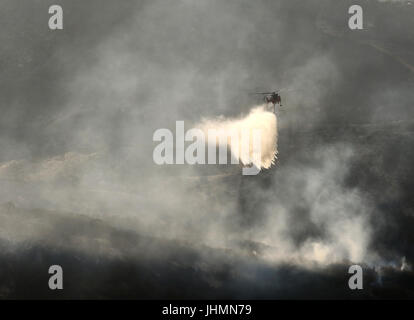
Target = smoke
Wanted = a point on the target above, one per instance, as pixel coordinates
(336, 218)
(265, 122)
(312, 219)
(79, 111)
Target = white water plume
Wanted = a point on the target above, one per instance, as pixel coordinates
(258, 119)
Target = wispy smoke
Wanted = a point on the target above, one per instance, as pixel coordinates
(313, 202)
(79, 112)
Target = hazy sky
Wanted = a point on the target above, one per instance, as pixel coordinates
(98, 89)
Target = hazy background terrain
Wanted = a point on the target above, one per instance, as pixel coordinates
(78, 186)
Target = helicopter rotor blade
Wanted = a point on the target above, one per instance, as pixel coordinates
(286, 90)
(276, 91)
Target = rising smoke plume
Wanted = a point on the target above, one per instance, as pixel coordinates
(79, 111)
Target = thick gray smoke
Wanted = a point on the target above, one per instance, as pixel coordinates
(80, 106)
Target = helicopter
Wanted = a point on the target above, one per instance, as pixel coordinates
(271, 97)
